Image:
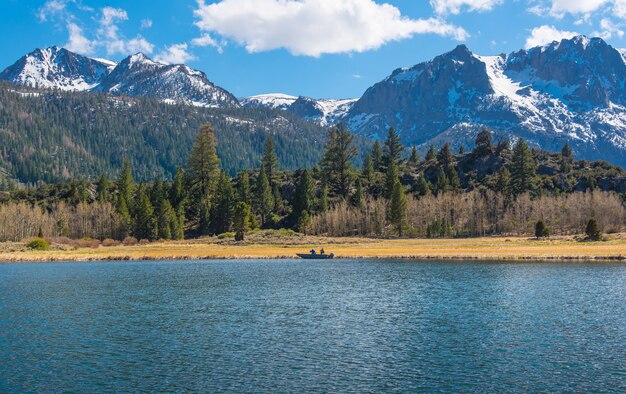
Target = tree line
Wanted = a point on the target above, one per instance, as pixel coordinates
(494, 189)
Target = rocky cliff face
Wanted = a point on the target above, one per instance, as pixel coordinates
(569, 91)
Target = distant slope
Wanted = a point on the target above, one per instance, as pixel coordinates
(137, 75)
(50, 135)
(325, 112)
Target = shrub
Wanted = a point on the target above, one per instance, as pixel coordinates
(38, 244)
(110, 242)
(87, 243)
(226, 235)
(541, 231)
(593, 231)
(144, 242)
(129, 241)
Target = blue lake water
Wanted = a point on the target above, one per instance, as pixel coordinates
(293, 326)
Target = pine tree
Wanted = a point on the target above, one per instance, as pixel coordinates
(541, 231)
(377, 157)
(241, 220)
(304, 222)
(102, 189)
(391, 178)
(593, 230)
(393, 148)
(357, 197)
(484, 144)
(157, 193)
(323, 199)
(368, 168)
(203, 173)
(126, 185)
(222, 206)
(167, 222)
(414, 159)
(453, 179)
(83, 191)
(177, 193)
(461, 150)
(145, 225)
(270, 160)
(398, 208)
(264, 197)
(502, 181)
(522, 169)
(124, 214)
(243, 189)
(443, 184)
(431, 154)
(304, 195)
(567, 158)
(336, 164)
(423, 186)
(445, 158)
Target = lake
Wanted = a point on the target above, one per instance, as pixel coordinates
(320, 326)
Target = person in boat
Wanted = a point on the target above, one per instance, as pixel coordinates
(322, 251)
(313, 251)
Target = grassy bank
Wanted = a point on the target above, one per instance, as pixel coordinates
(274, 245)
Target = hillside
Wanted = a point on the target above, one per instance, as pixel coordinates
(53, 135)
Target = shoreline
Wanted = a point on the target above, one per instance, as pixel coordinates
(260, 248)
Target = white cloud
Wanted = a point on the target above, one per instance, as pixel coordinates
(175, 54)
(608, 29)
(207, 41)
(77, 41)
(456, 6)
(560, 7)
(315, 27)
(51, 9)
(546, 34)
(146, 23)
(108, 34)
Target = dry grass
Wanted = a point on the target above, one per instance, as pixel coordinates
(286, 246)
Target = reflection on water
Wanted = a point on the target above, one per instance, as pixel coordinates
(279, 326)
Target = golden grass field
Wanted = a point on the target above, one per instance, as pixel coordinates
(489, 248)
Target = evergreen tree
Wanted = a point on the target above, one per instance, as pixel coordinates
(393, 148)
(414, 159)
(167, 222)
(243, 189)
(264, 197)
(304, 222)
(270, 160)
(398, 208)
(223, 205)
(241, 220)
(377, 157)
(502, 181)
(522, 169)
(368, 168)
(541, 231)
(357, 197)
(593, 230)
(567, 158)
(304, 195)
(83, 191)
(203, 173)
(423, 187)
(443, 184)
(461, 150)
(323, 199)
(431, 154)
(125, 217)
(158, 193)
(391, 178)
(126, 185)
(177, 190)
(336, 163)
(102, 189)
(484, 144)
(445, 158)
(453, 179)
(145, 224)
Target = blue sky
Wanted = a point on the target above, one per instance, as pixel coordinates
(316, 48)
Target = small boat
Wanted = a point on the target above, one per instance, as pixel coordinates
(315, 256)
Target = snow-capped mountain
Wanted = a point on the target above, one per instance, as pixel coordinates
(136, 75)
(325, 112)
(58, 68)
(569, 91)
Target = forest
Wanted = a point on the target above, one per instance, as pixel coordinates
(494, 189)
